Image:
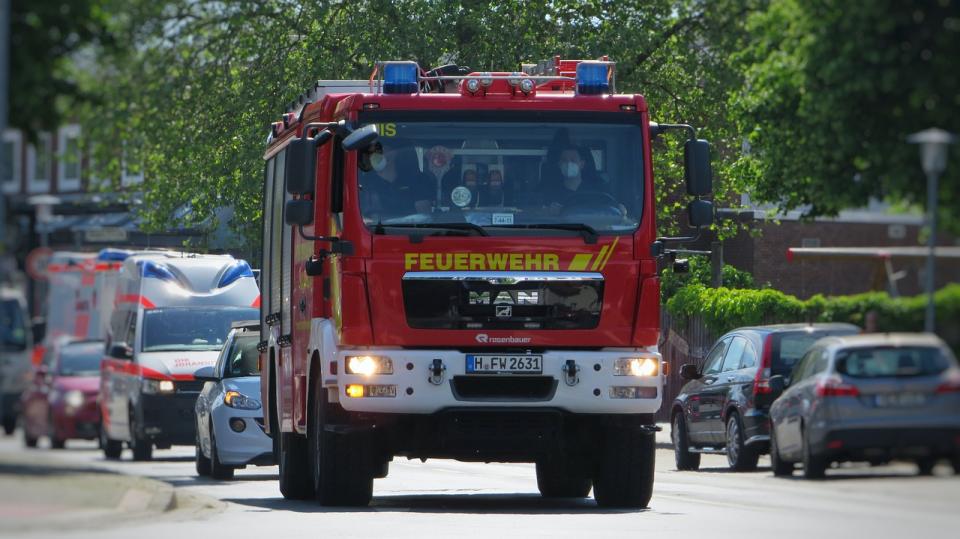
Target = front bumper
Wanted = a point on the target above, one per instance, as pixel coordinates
(251, 446)
(589, 391)
(168, 419)
(79, 423)
(864, 444)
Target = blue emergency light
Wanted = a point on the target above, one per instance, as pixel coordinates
(239, 269)
(593, 78)
(401, 78)
(113, 255)
(149, 268)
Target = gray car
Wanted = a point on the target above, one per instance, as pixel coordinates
(872, 397)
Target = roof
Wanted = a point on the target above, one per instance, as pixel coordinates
(246, 325)
(780, 328)
(885, 339)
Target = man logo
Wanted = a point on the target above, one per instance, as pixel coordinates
(482, 337)
(504, 311)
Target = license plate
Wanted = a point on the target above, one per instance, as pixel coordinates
(900, 400)
(504, 364)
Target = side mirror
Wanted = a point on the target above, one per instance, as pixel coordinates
(301, 166)
(39, 329)
(298, 212)
(690, 372)
(361, 138)
(681, 265)
(700, 213)
(699, 174)
(120, 350)
(206, 374)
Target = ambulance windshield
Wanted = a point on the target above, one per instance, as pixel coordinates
(478, 176)
(190, 328)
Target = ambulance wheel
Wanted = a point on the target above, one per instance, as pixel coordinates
(341, 464)
(141, 446)
(112, 449)
(623, 473)
(563, 477)
(218, 470)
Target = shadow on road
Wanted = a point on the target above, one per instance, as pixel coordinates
(194, 480)
(48, 469)
(507, 504)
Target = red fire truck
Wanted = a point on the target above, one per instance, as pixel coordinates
(464, 265)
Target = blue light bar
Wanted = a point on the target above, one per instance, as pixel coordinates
(593, 78)
(149, 268)
(112, 255)
(240, 269)
(401, 78)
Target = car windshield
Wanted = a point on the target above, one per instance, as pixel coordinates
(13, 334)
(244, 358)
(80, 359)
(475, 176)
(788, 348)
(891, 362)
(183, 328)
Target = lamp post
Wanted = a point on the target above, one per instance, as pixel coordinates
(933, 155)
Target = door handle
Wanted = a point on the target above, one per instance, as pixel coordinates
(731, 378)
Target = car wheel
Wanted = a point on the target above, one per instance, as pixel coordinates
(9, 424)
(956, 465)
(112, 449)
(341, 464)
(29, 441)
(740, 457)
(814, 466)
(781, 468)
(201, 462)
(57, 443)
(681, 445)
(563, 477)
(624, 468)
(141, 446)
(926, 465)
(218, 470)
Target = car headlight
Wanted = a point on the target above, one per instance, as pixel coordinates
(636, 366)
(235, 399)
(369, 365)
(153, 387)
(73, 398)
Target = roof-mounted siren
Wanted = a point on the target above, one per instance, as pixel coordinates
(593, 77)
(401, 77)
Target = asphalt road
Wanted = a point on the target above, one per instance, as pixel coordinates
(441, 498)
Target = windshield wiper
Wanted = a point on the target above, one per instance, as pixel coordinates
(588, 233)
(467, 227)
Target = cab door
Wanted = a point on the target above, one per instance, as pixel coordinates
(717, 395)
(699, 409)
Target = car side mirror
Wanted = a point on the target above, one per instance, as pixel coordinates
(206, 374)
(700, 213)
(690, 372)
(121, 350)
(361, 138)
(698, 172)
(298, 212)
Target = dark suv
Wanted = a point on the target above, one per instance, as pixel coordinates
(725, 406)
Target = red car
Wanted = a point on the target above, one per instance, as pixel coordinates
(61, 401)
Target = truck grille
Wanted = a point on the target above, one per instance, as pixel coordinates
(503, 388)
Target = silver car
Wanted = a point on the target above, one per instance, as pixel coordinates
(871, 397)
(228, 411)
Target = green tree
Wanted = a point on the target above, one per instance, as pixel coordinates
(831, 90)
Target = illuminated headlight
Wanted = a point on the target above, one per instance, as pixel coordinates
(369, 365)
(153, 387)
(636, 366)
(235, 399)
(73, 398)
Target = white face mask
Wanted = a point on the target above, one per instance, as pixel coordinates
(570, 169)
(378, 161)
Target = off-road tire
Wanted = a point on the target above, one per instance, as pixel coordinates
(686, 461)
(201, 463)
(218, 470)
(781, 468)
(563, 477)
(740, 456)
(341, 465)
(112, 449)
(814, 466)
(624, 468)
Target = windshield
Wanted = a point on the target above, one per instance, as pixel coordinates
(13, 335)
(502, 175)
(82, 359)
(168, 329)
(889, 362)
(244, 358)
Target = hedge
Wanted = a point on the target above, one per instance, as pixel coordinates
(723, 309)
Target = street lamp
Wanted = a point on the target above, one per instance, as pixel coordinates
(933, 154)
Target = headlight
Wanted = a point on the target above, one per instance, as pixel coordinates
(153, 387)
(636, 366)
(369, 365)
(235, 399)
(73, 398)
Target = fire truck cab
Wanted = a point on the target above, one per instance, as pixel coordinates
(464, 265)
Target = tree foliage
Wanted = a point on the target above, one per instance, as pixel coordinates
(833, 87)
(194, 97)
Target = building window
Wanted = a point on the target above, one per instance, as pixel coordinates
(69, 162)
(39, 164)
(10, 161)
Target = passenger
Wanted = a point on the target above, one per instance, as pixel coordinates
(494, 194)
(392, 183)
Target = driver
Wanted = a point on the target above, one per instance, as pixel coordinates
(392, 183)
(577, 176)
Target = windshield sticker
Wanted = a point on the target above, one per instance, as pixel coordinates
(503, 218)
(461, 196)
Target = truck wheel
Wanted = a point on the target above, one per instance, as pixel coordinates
(623, 474)
(781, 468)
(341, 464)
(740, 457)
(562, 477)
(112, 449)
(9, 424)
(814, 466)
(681, 445)
(201, 462)
(142, 447)
(218, 470)
(295, 481)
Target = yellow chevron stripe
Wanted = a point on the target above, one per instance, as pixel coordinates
(596, 261)
(609, 253)
(579, 262)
